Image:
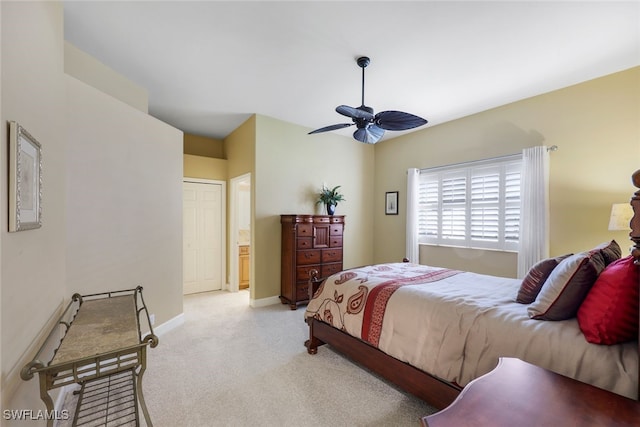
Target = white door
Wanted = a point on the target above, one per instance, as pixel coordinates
(203, 237)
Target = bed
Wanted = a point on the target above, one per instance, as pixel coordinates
(432, 330)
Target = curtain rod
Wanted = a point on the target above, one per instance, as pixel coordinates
(490, 159)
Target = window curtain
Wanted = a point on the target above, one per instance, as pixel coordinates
(534, 208)
(413, 249)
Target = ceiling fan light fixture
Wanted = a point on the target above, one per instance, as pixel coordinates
(371, 127)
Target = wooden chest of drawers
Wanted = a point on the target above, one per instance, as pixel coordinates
(308, 242)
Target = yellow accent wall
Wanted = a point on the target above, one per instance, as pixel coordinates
(239, 147)
(290, 169)
(204, 167)
(595, 124)
(203, 146)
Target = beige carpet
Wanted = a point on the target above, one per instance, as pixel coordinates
(233, 365)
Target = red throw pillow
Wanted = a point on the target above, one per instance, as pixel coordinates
(609, 313)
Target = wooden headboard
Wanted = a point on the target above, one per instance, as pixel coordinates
(635, 220)
(635, 238)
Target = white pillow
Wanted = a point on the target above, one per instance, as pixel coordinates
(567, 286)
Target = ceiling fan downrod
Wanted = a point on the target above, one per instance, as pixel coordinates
(363, 61)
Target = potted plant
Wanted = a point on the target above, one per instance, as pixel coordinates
(330, 198)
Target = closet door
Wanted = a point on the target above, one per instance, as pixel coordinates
(203, 237)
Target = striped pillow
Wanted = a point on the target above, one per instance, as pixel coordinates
(567, 286)
(610, 251)
(535, 278)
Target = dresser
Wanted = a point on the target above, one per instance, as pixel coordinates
(309, 242)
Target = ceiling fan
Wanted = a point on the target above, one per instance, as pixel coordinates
(370, 127)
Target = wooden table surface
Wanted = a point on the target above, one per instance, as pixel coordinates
(101, 325)
(517, 393)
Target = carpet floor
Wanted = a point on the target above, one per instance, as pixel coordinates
(231, 365)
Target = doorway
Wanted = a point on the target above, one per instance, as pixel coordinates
(204, 225)
(240, 233)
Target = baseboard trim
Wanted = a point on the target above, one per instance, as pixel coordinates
(169, 325)
(263, 302)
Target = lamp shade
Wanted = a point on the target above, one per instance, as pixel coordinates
(621, 214)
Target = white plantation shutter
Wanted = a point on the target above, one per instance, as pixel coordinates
(472, 205)
(428, 208)
(453, 210)
(485, 204)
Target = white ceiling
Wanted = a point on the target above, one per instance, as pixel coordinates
(209, 65)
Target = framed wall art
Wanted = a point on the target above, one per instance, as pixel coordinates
(391, 203)
(25, 180)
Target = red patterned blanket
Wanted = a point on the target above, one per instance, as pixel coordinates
(361, 295)
(379, 297)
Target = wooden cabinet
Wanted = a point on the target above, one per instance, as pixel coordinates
(243, 265)
(308, 242)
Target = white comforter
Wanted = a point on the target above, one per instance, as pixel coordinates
(455, 325)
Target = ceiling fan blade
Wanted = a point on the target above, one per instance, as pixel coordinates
(398, 120)
(354, 113)
(332, 127)
(369, 134)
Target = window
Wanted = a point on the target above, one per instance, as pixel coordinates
(471, 205)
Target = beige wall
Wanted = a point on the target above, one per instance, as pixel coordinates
(203, 146)
(205, 167)
(32, 263)
(93, 72)
(112, 191)
(596, 126)
(291, 167)
(124, 201)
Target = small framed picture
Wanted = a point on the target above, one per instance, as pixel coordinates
(391, 203)
(25, 180)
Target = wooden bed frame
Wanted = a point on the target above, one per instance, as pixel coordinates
(433, 390)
